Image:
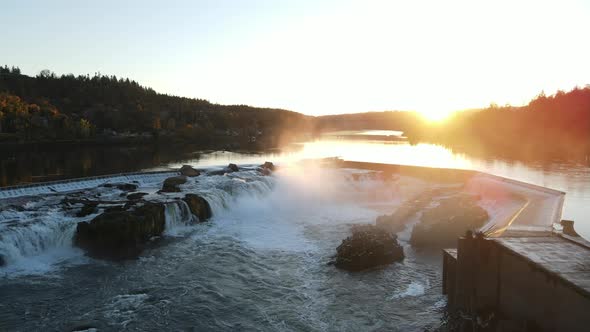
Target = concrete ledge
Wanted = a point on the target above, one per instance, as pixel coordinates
(50, 187)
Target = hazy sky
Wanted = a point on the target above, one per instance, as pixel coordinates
(312, 56)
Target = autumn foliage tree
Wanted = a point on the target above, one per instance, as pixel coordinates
(110, 104)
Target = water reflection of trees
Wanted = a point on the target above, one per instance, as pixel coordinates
(35, 164)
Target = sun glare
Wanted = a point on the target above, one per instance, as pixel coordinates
(435, 115)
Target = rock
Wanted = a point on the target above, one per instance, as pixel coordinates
(568, 228)
(199, 206)
(267, 168)
(120, 235)
(87, 209)
(231, 168)
(121, 186)
(441, 226)
(397, 221)
(188, 170)
(269, 165)
(367, 247)
(171, 184)
(115, 208)
(136, 196)
(2, 261)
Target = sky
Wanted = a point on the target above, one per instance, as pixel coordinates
(312, 56)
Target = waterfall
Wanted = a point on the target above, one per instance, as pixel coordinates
(25, 237)
(178, 217)
(46, 227)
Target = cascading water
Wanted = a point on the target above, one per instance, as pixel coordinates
(80, 184)
(261, 262)
(178, 217)
(26, 237)
(47, 226)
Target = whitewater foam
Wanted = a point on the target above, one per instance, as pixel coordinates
(283, 212)
(415, 288)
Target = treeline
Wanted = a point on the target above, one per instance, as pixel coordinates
(116, 106)
(42, 121)
(556, 125)
(387, 120)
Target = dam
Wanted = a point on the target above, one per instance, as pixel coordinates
(527, 269)
(525, 265)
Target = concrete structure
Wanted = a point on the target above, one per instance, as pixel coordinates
(540, 279)
(526, 271)
(60, 186)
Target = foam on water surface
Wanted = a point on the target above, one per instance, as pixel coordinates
(261, 262)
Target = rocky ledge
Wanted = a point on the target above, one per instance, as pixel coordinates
(198, 206)
(118, 235)
(367, 247)
(440, 226)
(124, 226)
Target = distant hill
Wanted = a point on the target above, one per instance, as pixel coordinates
(387, 120)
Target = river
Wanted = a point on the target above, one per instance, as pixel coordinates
(260, 264)
(571, 176)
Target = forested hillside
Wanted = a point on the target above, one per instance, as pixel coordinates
(51, 106)
(548, 126)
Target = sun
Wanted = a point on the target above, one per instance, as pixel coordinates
(435, 115)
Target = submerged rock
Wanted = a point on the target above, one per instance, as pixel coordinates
(171, 184)
(118, 235)
(2, 261)
(367, 247)
(440, 226)
(198, 206)
(188, 170)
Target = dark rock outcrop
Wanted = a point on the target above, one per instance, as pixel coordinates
(136, 196)
(367, 247)
(440, 226)
(267, 168)
(122, 186)
(171, 184)
(269, 165)
(199, 206)
(188, 170)
(87, 209)
(397, 221)
(115, 208)
(120, 235)
(568, 228)
(2, 261)
(231, 168)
